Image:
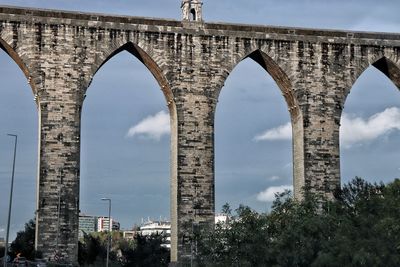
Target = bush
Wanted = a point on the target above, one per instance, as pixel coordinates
(360, 227)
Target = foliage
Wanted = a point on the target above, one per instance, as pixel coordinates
(24, 243)
(142, 251)
(147, 251)
(90, 249)
(360, 227)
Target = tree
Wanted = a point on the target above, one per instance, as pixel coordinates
(146, 251)
(368, 229)
(142, 251)
(89, 249)
(24, 243)
(360, 227)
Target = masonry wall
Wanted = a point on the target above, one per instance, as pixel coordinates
(60, 52)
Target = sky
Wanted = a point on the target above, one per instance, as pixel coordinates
(125, 129)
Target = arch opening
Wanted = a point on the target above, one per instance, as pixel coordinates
(264, 163)
(147, 61)
(370, 125)
(139, 153)
(193, 13)
(18, 115)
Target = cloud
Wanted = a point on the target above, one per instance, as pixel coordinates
(152, 127)
(283, 132)
(356, 130)
(353, 130)
(268, 195)
(274, 178)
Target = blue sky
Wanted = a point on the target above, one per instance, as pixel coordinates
(125, 140)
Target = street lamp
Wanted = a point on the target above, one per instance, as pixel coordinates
(109, 226)
(11, 194)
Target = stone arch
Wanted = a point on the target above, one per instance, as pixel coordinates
(389, 68)
(18, 60)
(151, 64)
(282, 79)
(384, 63)
(388, 63)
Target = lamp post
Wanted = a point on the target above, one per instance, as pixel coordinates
(11, 194)
(110, 228)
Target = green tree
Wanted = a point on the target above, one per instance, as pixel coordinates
(368, 229)
(146, 251)
(360, 227)
(24, 243)
(90, 249)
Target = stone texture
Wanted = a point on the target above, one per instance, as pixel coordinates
(60, 52)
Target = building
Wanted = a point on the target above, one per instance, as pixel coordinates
(221, 218)
(157, 228)
(87, 224)
(129, 234)
(2, 242)
(102, 224)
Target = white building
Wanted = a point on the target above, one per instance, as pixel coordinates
(221, 218)
(157, 227)
(102, 224)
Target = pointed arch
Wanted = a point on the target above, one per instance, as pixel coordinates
(269, 63)
(282, 79)
(384, 64)
(153, 63)
(387, 65)
(145, 58)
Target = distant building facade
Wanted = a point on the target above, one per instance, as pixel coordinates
(87, 224)
(221, 218)
(158, 228)
(129, 234)
(102, 224)
(2, 242)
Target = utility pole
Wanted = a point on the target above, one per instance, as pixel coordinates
(110, 229)
(11, 196)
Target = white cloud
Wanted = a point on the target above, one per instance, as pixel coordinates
(356, 130)
(353, 129)
(274, 178)
(2, 229)
(153, 126)
(268, 195)
(283, 132)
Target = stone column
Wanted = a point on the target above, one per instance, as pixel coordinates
(321, 88)
(195, 170)
(57, 214)
(321, 146)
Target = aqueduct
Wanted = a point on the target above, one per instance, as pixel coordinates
(59, 53)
